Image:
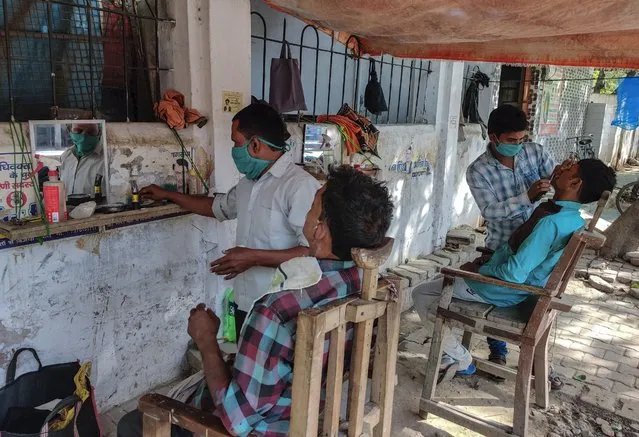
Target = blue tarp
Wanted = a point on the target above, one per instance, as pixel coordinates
(627, 116)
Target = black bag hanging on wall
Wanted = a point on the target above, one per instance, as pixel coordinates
(374, 95)
(286, 93)
(21, 397)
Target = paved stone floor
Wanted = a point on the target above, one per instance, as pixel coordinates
(598, 341)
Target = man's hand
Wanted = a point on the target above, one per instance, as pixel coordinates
(234, 262)
(538, 189)
(203, 326)
(480, 261)
(154, 192)
(470, 267)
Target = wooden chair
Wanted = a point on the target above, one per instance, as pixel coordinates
(527, 325)
(365, 416)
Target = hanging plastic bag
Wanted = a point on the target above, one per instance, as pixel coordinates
(286, 92)
(374, 95)
(228, 329)
(627, 116)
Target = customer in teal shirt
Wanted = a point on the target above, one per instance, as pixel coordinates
(530, 254)
(534, 248)
(535, 259)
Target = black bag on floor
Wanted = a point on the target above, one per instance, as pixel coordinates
(21, 397)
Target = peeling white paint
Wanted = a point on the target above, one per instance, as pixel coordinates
(416, 208)
(126, 309)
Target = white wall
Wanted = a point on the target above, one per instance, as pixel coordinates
(417, 206)
(119, 299)
(613, 145)
(465, 210)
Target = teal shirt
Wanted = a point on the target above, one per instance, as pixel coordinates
(533, 263)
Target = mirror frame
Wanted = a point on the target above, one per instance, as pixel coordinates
(102, 123)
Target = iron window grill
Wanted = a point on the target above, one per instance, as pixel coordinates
(404, 81)
(101, 56)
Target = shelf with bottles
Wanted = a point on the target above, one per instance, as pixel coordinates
(38, 228)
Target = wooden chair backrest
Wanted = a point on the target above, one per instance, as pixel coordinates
(564, 269)
(313, 326)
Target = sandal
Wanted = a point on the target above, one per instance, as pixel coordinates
(556, 382)
(447, 373)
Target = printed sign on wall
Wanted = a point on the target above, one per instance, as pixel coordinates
(551, 99)
(17, 192)
(415, 164)
(232, 101)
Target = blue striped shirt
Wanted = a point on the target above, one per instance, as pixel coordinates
(502, 194)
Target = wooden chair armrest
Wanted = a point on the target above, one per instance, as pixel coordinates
(457, 273)
(187, 417)
(485, 250)
(592, 240)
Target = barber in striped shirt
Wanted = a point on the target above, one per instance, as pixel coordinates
(507, 182)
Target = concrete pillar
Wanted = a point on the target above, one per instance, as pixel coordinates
(230, 57)
(449, 95)
(211, 46)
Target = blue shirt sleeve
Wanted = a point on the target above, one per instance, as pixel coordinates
(532, 252)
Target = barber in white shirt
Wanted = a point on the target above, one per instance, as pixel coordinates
(270, 204)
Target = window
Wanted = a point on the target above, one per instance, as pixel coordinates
(100, 56)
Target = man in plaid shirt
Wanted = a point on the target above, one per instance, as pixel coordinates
(507, 182)
(254, 397)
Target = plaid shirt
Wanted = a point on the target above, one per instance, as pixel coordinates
(502, 194)
(258, 398)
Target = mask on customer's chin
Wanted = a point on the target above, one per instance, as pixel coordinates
(84, 143)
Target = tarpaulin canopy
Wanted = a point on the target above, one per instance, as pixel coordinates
(562, 32)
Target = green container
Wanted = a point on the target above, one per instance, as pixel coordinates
(228, 329)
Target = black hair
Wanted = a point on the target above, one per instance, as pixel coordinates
(506, 119)
(358, 210)
(596, 178)
(264, 121)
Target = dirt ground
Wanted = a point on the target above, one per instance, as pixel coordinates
(567, 416)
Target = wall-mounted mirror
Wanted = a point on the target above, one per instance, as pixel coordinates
(77, 149)
(322, 147)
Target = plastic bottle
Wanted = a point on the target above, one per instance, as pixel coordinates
(55, 199)
(194, 182)
(177, 169)
(97, 188)
(170, 183)
(135, 190)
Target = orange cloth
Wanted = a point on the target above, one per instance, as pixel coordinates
(171, 110)
(347, 127)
